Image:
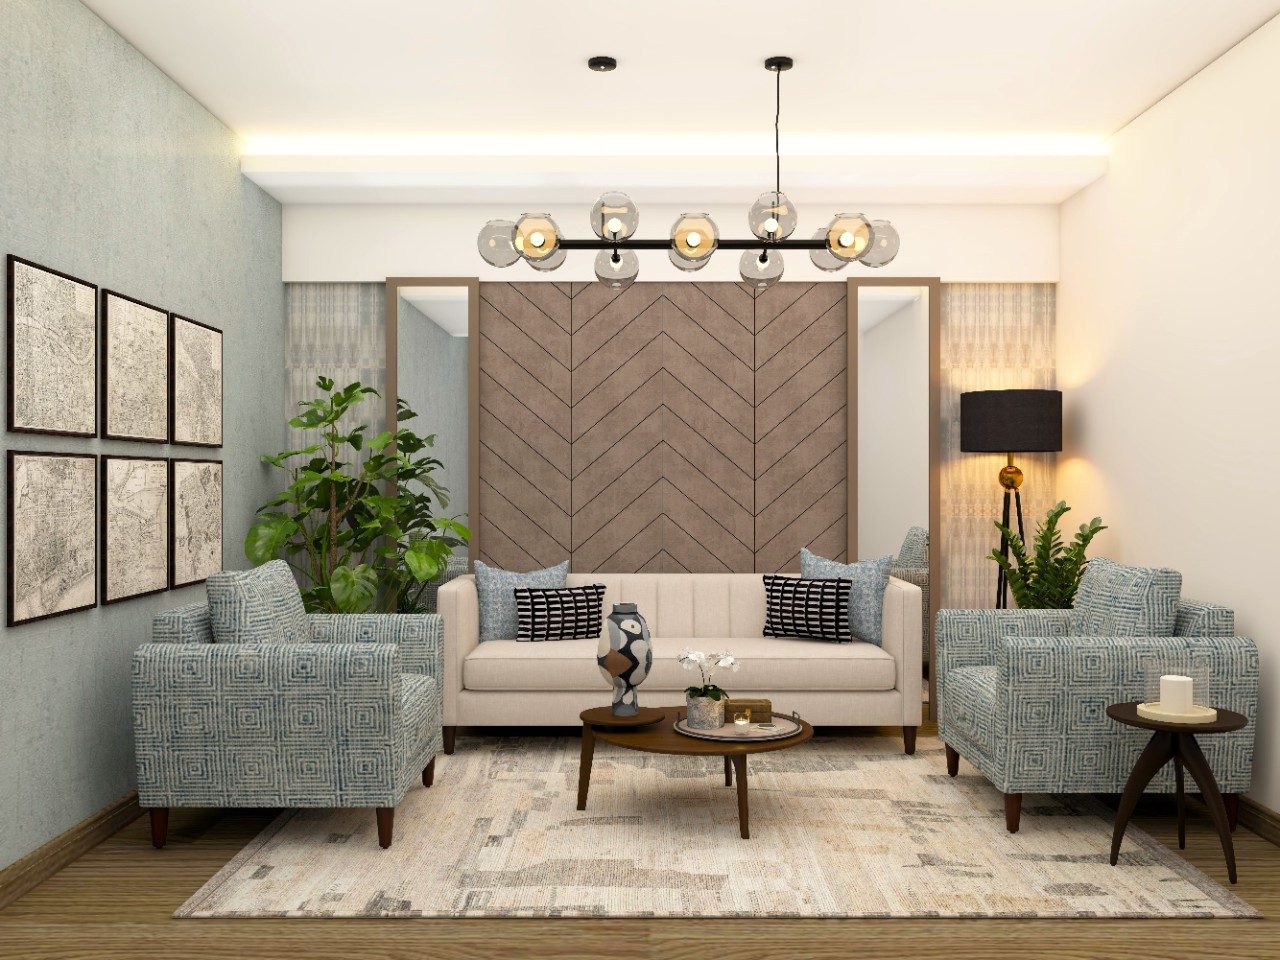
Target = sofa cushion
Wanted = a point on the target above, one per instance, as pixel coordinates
(495, 590)
(971, 700)
(868, 580)
(1115, 600)
(768, 664)
(262, 605)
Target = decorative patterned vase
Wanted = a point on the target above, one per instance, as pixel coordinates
(705, 713)
(625, 656)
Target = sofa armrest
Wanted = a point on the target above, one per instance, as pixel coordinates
(900, 638)
(420, 636)
(189, 624)
(270, 724)
(968, 638)
(459, 606)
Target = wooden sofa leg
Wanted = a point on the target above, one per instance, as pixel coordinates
(386, 818)
(429, 773)
(159, 826)
(953, 760)
(450, 735)
(909, 740)
(1232, 802)
(1012, 811)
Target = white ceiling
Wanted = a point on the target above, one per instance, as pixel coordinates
(403, 99)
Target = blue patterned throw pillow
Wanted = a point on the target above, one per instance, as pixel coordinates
(1115, 600)
(868, 579)
(496, 591)
(915, 548)
(262, 605)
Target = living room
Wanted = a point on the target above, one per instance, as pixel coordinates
(484, 483)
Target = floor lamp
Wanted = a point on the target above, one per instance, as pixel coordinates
(1009, 422)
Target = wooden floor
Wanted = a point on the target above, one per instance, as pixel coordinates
(116, 901)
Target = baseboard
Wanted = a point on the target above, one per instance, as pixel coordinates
(1263, 821)
(40, 864)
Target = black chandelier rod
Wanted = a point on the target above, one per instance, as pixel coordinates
(754, 244)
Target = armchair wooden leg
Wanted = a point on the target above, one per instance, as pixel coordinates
(450, 735)
(909, 740)
(953, 760)
(1232, 802)
(159, 826)
(386, 818)
(1012, 811)
(429, 773)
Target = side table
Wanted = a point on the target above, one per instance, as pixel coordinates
(1176, 742)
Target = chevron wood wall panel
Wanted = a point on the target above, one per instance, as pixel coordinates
(524, 515)
(667, 427)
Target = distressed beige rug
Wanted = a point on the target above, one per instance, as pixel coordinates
(840, 827)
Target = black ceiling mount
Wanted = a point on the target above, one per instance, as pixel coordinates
(779, 64)
(602, 64)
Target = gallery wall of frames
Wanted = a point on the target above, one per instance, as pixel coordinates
(89, 527)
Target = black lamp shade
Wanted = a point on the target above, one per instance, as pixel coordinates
(1011, 421)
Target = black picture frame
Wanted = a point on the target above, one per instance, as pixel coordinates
(104, 511)
(11, 534)
(104, 413)
(174, 320)
(12, 260)
(174, 583)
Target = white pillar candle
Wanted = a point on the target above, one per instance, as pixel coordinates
(1175, 693)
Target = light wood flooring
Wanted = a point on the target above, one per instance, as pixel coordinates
(116, 901)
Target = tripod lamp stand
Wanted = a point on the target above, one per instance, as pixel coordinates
(1009, 422)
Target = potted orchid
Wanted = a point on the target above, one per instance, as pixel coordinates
(706, 702)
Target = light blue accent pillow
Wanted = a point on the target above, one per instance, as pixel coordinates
(866, 596)
(496, 588)
(262, 605)
(1115, 600)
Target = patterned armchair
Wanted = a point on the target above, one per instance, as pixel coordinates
(912, 565)
(1022, 694)
(296, 710)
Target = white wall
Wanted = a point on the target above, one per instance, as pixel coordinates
(373, 242)
(1168, 344)
(893, 428)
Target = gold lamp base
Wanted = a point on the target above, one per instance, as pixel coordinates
(1010, 476)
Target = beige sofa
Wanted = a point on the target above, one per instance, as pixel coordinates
(509, 683)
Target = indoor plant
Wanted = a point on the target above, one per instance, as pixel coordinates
(705, 703)
(1049, 577)
(363, 536)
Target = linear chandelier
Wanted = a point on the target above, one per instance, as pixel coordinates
(848, 237)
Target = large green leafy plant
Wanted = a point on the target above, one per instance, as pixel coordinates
(1048, 577)
(363, 536)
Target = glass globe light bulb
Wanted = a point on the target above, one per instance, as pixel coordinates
(537, 237)
(694, 239)
(617, 269)
(883, 246)
(549, 262)
(761, 268)
(496, 243)
(614, 217)
(772, 216)
(848, 235)
(823, 258)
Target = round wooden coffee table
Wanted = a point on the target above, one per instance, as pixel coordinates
(659, 736)
(1176, 742)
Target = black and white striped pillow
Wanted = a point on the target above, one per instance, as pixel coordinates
(807, 609)
(566, 613)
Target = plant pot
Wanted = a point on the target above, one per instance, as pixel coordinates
(625, 656)
(704, 713)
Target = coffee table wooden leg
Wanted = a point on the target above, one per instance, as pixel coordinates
(1182, 804)
(584, 765)
(1199, 769)
(1158, 752)
(728, 772)
(744, 815)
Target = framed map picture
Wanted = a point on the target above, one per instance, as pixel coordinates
(195, 355)
(195, 520)
(52, 544)
(53, 351)
(135, 527)
(135, 370)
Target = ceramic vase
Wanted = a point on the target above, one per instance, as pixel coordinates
(704, 713)
(625, 656)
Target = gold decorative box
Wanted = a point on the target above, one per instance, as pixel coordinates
(761, 709)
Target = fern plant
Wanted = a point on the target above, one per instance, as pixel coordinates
(1048, 578)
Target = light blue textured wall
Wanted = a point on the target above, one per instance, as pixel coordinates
(110, 172)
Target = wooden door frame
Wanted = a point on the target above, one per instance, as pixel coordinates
(392, 328)
(934, 286)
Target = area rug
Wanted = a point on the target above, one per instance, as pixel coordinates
(840, 827)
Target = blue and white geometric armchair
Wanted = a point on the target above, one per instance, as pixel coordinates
(1022, 694)
(251, 702)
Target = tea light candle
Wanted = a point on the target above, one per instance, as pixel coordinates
(1176, 693)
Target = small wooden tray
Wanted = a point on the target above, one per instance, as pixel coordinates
(782, 728)
(1198, 714)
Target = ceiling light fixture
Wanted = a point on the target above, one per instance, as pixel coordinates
(694, 237)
